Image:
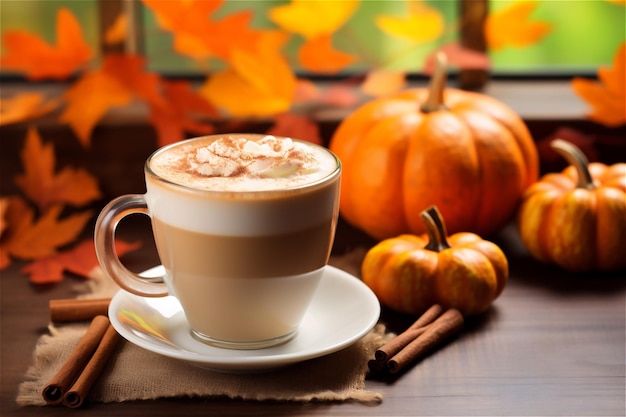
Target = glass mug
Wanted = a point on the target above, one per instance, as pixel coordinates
(243, 228)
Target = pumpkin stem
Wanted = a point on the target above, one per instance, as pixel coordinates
(577, 158)
(434, 102)
(436, 229)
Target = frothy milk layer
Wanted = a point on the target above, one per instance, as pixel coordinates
(243, 163)
(252, 200)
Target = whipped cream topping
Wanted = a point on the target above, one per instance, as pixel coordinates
(268, 157)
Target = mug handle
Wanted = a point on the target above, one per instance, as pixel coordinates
(104, 240)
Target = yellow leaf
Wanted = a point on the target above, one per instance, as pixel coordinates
(422, 24)
(512, 27)
(313, 18)
(259, 83)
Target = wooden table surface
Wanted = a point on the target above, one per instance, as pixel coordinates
(552, 345)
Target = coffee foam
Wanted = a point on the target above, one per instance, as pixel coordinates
(261, 209)
(243, 163)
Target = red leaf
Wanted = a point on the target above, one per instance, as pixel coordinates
(296, 127)
(186, 111)
(80, 260)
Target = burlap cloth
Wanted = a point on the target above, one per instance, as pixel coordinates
(137, 374)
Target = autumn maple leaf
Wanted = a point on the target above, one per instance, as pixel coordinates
(608, 96)
(316, 21)
(257, 84)
(313, 19)
(318, 55)
(45, 187)
(89, 99)
(511, 26)
(25, 106)
(80, 261)
(36, 59)
(297, 127)
(118, 31)
(197, 34)
(27, 237)
(185, 112)
(121, 78)
(422, 24)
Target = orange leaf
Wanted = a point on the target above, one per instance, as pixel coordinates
(27, 238)
(313, 19)
(16, 215)
(80, 260)
(317, 55)
(129, 71)
(88, 101)
(42, 186)
(199, 36)
(259, 83)
(382, 82)
(296, 127)
(607, 97)
(29, 54)
(181, 114)
(121, 77)
(25, 106)
(5, 202)
(422, 24)
(4, 205)
(118, 31)
(511, 26)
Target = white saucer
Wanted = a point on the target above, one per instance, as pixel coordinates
(342, 311)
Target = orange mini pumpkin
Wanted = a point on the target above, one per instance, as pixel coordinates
(410, 273)
(465, 152)
(576, 219)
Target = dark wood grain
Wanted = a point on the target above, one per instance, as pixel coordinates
(553, 344)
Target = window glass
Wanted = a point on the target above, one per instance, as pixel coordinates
(583, 34)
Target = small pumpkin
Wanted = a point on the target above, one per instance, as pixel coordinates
(465, 152)
(576, 219)
(410, 273)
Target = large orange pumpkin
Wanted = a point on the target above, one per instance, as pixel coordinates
(576, 219)
(465, 152)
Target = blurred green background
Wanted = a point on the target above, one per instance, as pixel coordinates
(585, 35)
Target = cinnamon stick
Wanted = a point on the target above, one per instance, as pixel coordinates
(80, 389)
(67, 310)
(54, 391)
(441, 329)
(415, 330)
